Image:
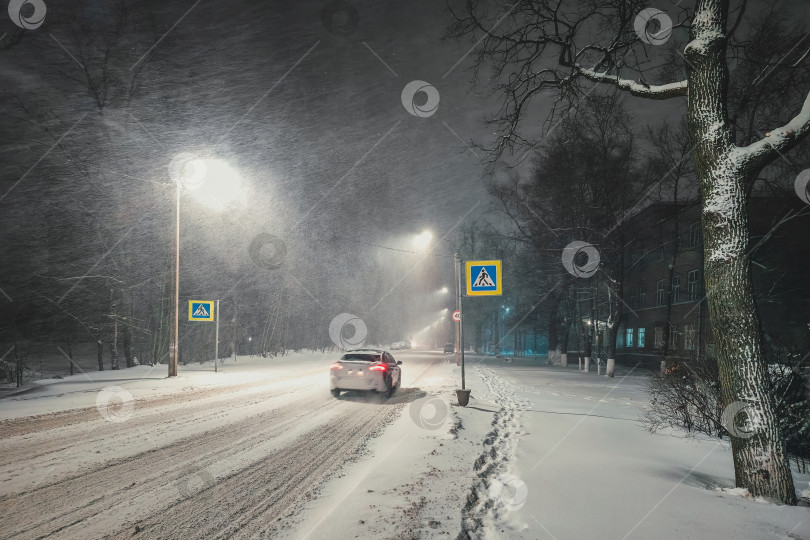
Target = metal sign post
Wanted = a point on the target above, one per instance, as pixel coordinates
(483, 278)
(216, 341)
(203, 310)
(461, 343)
(457, 283)
(462, 395)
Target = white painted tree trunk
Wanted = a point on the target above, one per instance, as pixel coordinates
(611, 367)
(580, 362)
(564, 359)
(587, 367)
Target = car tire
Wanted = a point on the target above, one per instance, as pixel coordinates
(335, 392)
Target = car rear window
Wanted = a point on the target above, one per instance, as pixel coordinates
(362, 356)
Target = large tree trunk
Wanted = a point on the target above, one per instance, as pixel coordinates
(760, 462)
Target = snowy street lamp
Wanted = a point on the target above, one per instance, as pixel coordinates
(214, 183)
(422, 241)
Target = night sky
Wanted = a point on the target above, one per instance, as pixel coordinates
(303, 98)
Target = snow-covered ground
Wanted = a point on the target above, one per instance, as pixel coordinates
(585, 468)
(262, 449)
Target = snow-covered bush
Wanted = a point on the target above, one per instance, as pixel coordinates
(686, 395)
(793, 410)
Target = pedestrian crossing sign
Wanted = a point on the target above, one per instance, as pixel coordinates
(484, 278)
(201, 310)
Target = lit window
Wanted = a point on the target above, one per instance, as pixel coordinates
(628, 342)
(641, 338)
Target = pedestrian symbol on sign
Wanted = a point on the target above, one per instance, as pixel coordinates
(201, 310)
(483, 279)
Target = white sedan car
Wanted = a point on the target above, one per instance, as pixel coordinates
(366, 369)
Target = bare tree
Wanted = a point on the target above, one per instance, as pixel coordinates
(560, 46)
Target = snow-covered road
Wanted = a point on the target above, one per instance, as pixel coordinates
(230, 461)
(262, 449)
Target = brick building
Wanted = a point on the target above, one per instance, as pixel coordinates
(663, 286)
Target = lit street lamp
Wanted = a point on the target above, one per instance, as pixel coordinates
(214, 183)
(422, 241)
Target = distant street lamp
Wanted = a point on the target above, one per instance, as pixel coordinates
(214, 183)
(422, 241)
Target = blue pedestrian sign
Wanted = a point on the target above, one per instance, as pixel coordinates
(484, 278)
(201, 310)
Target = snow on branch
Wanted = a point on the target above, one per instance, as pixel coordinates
(664, 91)
(779, 140)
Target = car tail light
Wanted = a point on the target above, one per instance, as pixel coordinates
(378, 367)
(336, 366)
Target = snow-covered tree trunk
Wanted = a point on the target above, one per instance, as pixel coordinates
(760, 462)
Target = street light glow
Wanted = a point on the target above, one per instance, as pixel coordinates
(423, 240)
(444, 290)
(220, 184)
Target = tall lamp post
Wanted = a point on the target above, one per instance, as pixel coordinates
(214, 183)
(174, 327)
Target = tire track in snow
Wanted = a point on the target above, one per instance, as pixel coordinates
(274, 485)
(200, 413)
(147, 476)
(253, 472)
(12, 427)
